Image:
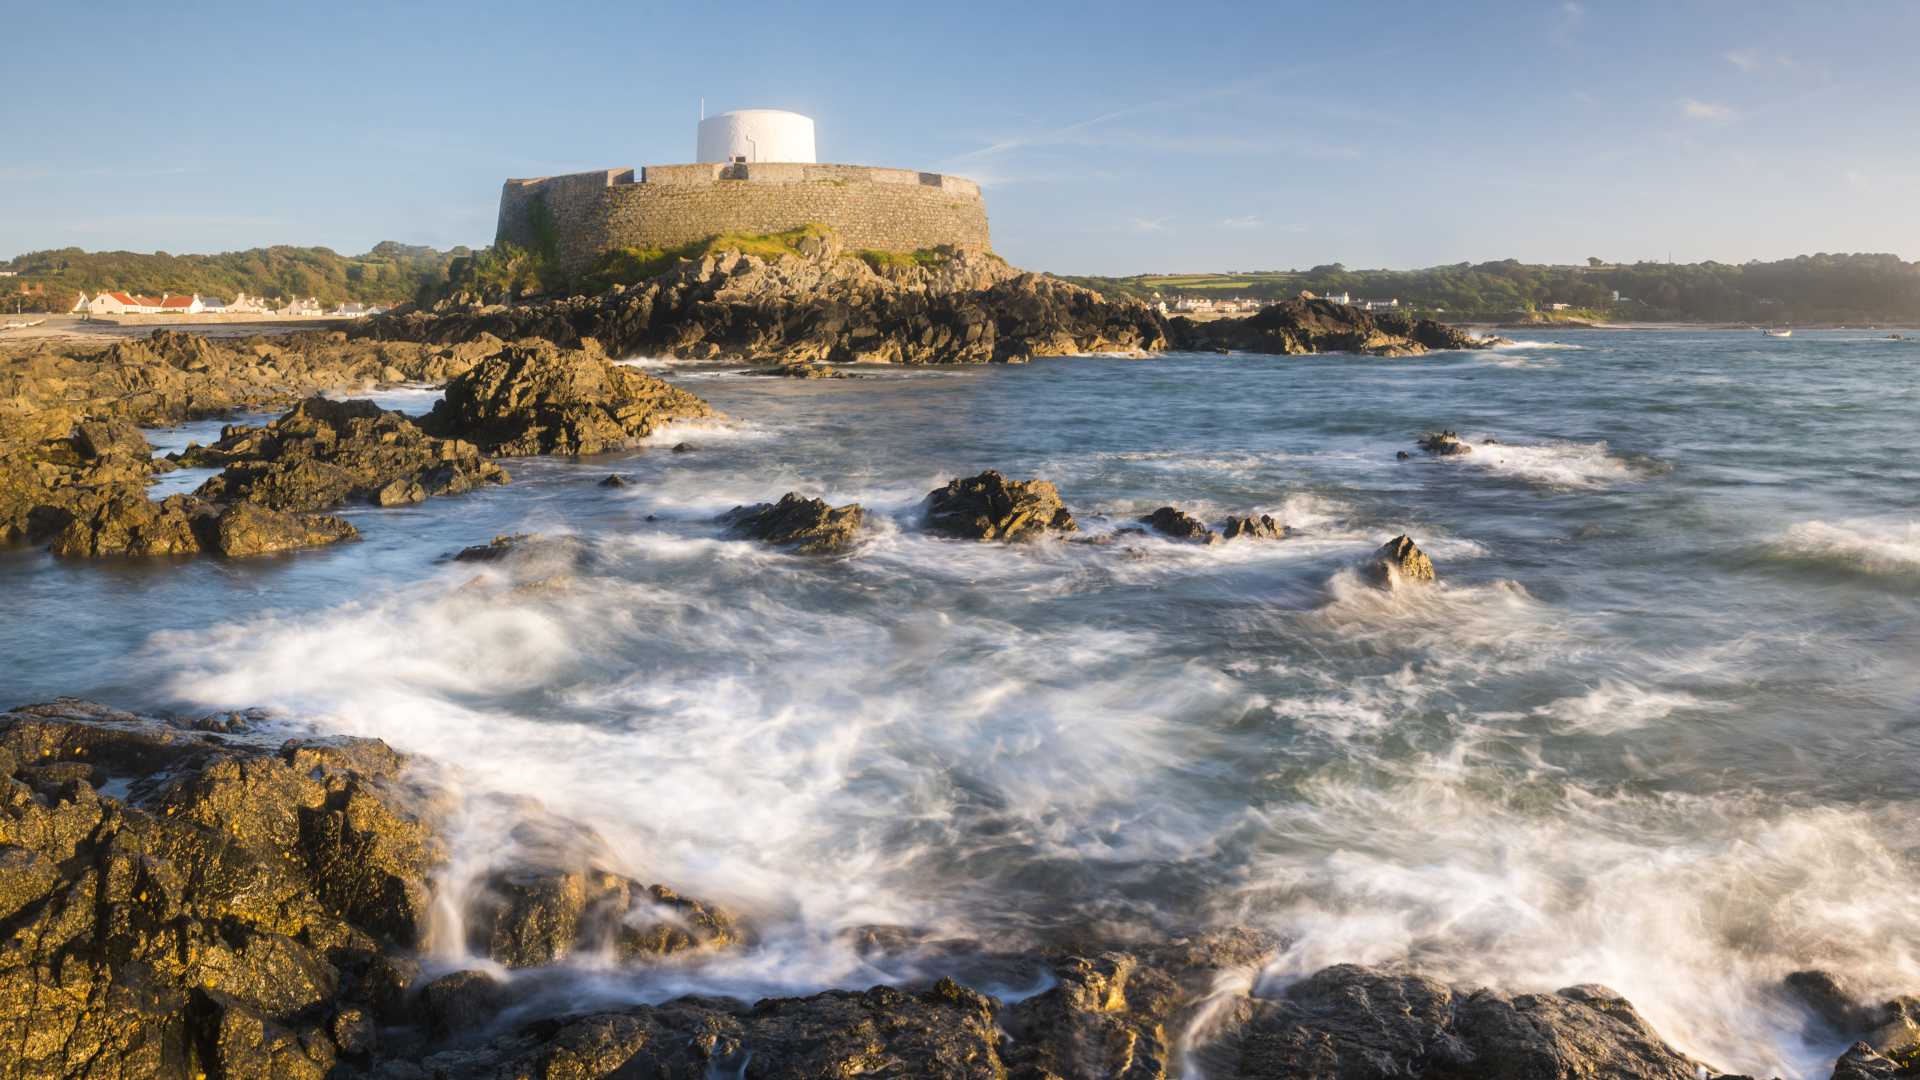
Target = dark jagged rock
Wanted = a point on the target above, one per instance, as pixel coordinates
(1399, 560)
(1355, 1023)
(1177, 523)
(1295, 327)
(810, 526)
(1263, 527)
(535, 916)
(991, 507)
(533, 397)
(1444, 444)
(801, 371)
(327, 453)
(616, 480)
(820, 307)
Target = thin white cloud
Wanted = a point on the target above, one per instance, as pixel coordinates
(1245, 221)
(1149, 225)
(1752, 60)
(1705, 110)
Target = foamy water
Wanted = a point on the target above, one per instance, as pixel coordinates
(1646, 731)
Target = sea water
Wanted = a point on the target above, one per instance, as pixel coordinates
(1656, 727)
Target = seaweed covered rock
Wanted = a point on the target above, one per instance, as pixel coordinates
(1398, 561)
(327, 453)
(991, 507)
(809, 526)
(533, 397)
(1177, 523)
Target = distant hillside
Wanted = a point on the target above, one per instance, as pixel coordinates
(389, 273)
(1809, 288)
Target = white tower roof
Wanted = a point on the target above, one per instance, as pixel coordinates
(756, 135)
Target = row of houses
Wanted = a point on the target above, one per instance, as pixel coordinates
(123, 303)
(1195, 305)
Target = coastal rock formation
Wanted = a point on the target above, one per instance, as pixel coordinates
(1398, 561)
(1177, 523)
(171, 375)
(991, 507)
(1263, 527)
(810, 526)
(1444, 444)
(533, 397)
(132, 524)
(84, 495)
(823, 306)
(327, 453)
(1356, 1023)
(183, 898)
(1295, 327)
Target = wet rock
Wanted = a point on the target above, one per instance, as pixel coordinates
(991, 507)
(682, 448)
(244, 528)
(810, 526)
(533, 397)
(462, 1003)
(1444, 444)
(1294, 327)
(1398, 561)
(1263, 527)
(326, 453)
(1177, 523)
(1402, 455)
(552, 552)
(801, 371)
(616, 480)
(1354, 1023)
(531, 917)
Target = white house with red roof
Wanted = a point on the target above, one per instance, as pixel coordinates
(115, 303)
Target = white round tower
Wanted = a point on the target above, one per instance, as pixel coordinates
(756, 135)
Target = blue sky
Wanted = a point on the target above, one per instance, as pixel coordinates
(1110, 138)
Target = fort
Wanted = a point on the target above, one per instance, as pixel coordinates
(737, 188)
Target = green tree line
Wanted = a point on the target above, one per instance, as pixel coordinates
(388, 274)
(1808, 288)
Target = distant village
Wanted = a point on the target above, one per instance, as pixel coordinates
(121, 303)
(1204, 306)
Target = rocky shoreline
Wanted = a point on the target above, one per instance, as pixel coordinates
(822, 307)
(201, 896)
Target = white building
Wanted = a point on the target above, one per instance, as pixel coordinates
(756, 135)
(1378, 305)
(242, 304)
(308, 308)
(180, 305)
(1338, 298)
(116, 303)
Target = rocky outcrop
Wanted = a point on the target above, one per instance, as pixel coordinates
(533, 397)
(1356, 1023)
(821, 307)
(1296, 327)
(1444, 444)
(808, 526)
(132, 524)
(1397, 562)
(1263, 527)
(171, 375)
(327, 453)
(991, 507)
(84, 495)
(1177, 523)
(183, 897)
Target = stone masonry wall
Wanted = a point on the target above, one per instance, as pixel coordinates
(885, 209)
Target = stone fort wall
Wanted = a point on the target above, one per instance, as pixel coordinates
(585, 214)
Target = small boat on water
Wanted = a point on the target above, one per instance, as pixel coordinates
(1780, 332)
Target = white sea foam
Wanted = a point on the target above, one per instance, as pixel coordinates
(1564, 465)
(1872, 546)
(1536, 345)
(1614, 706)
